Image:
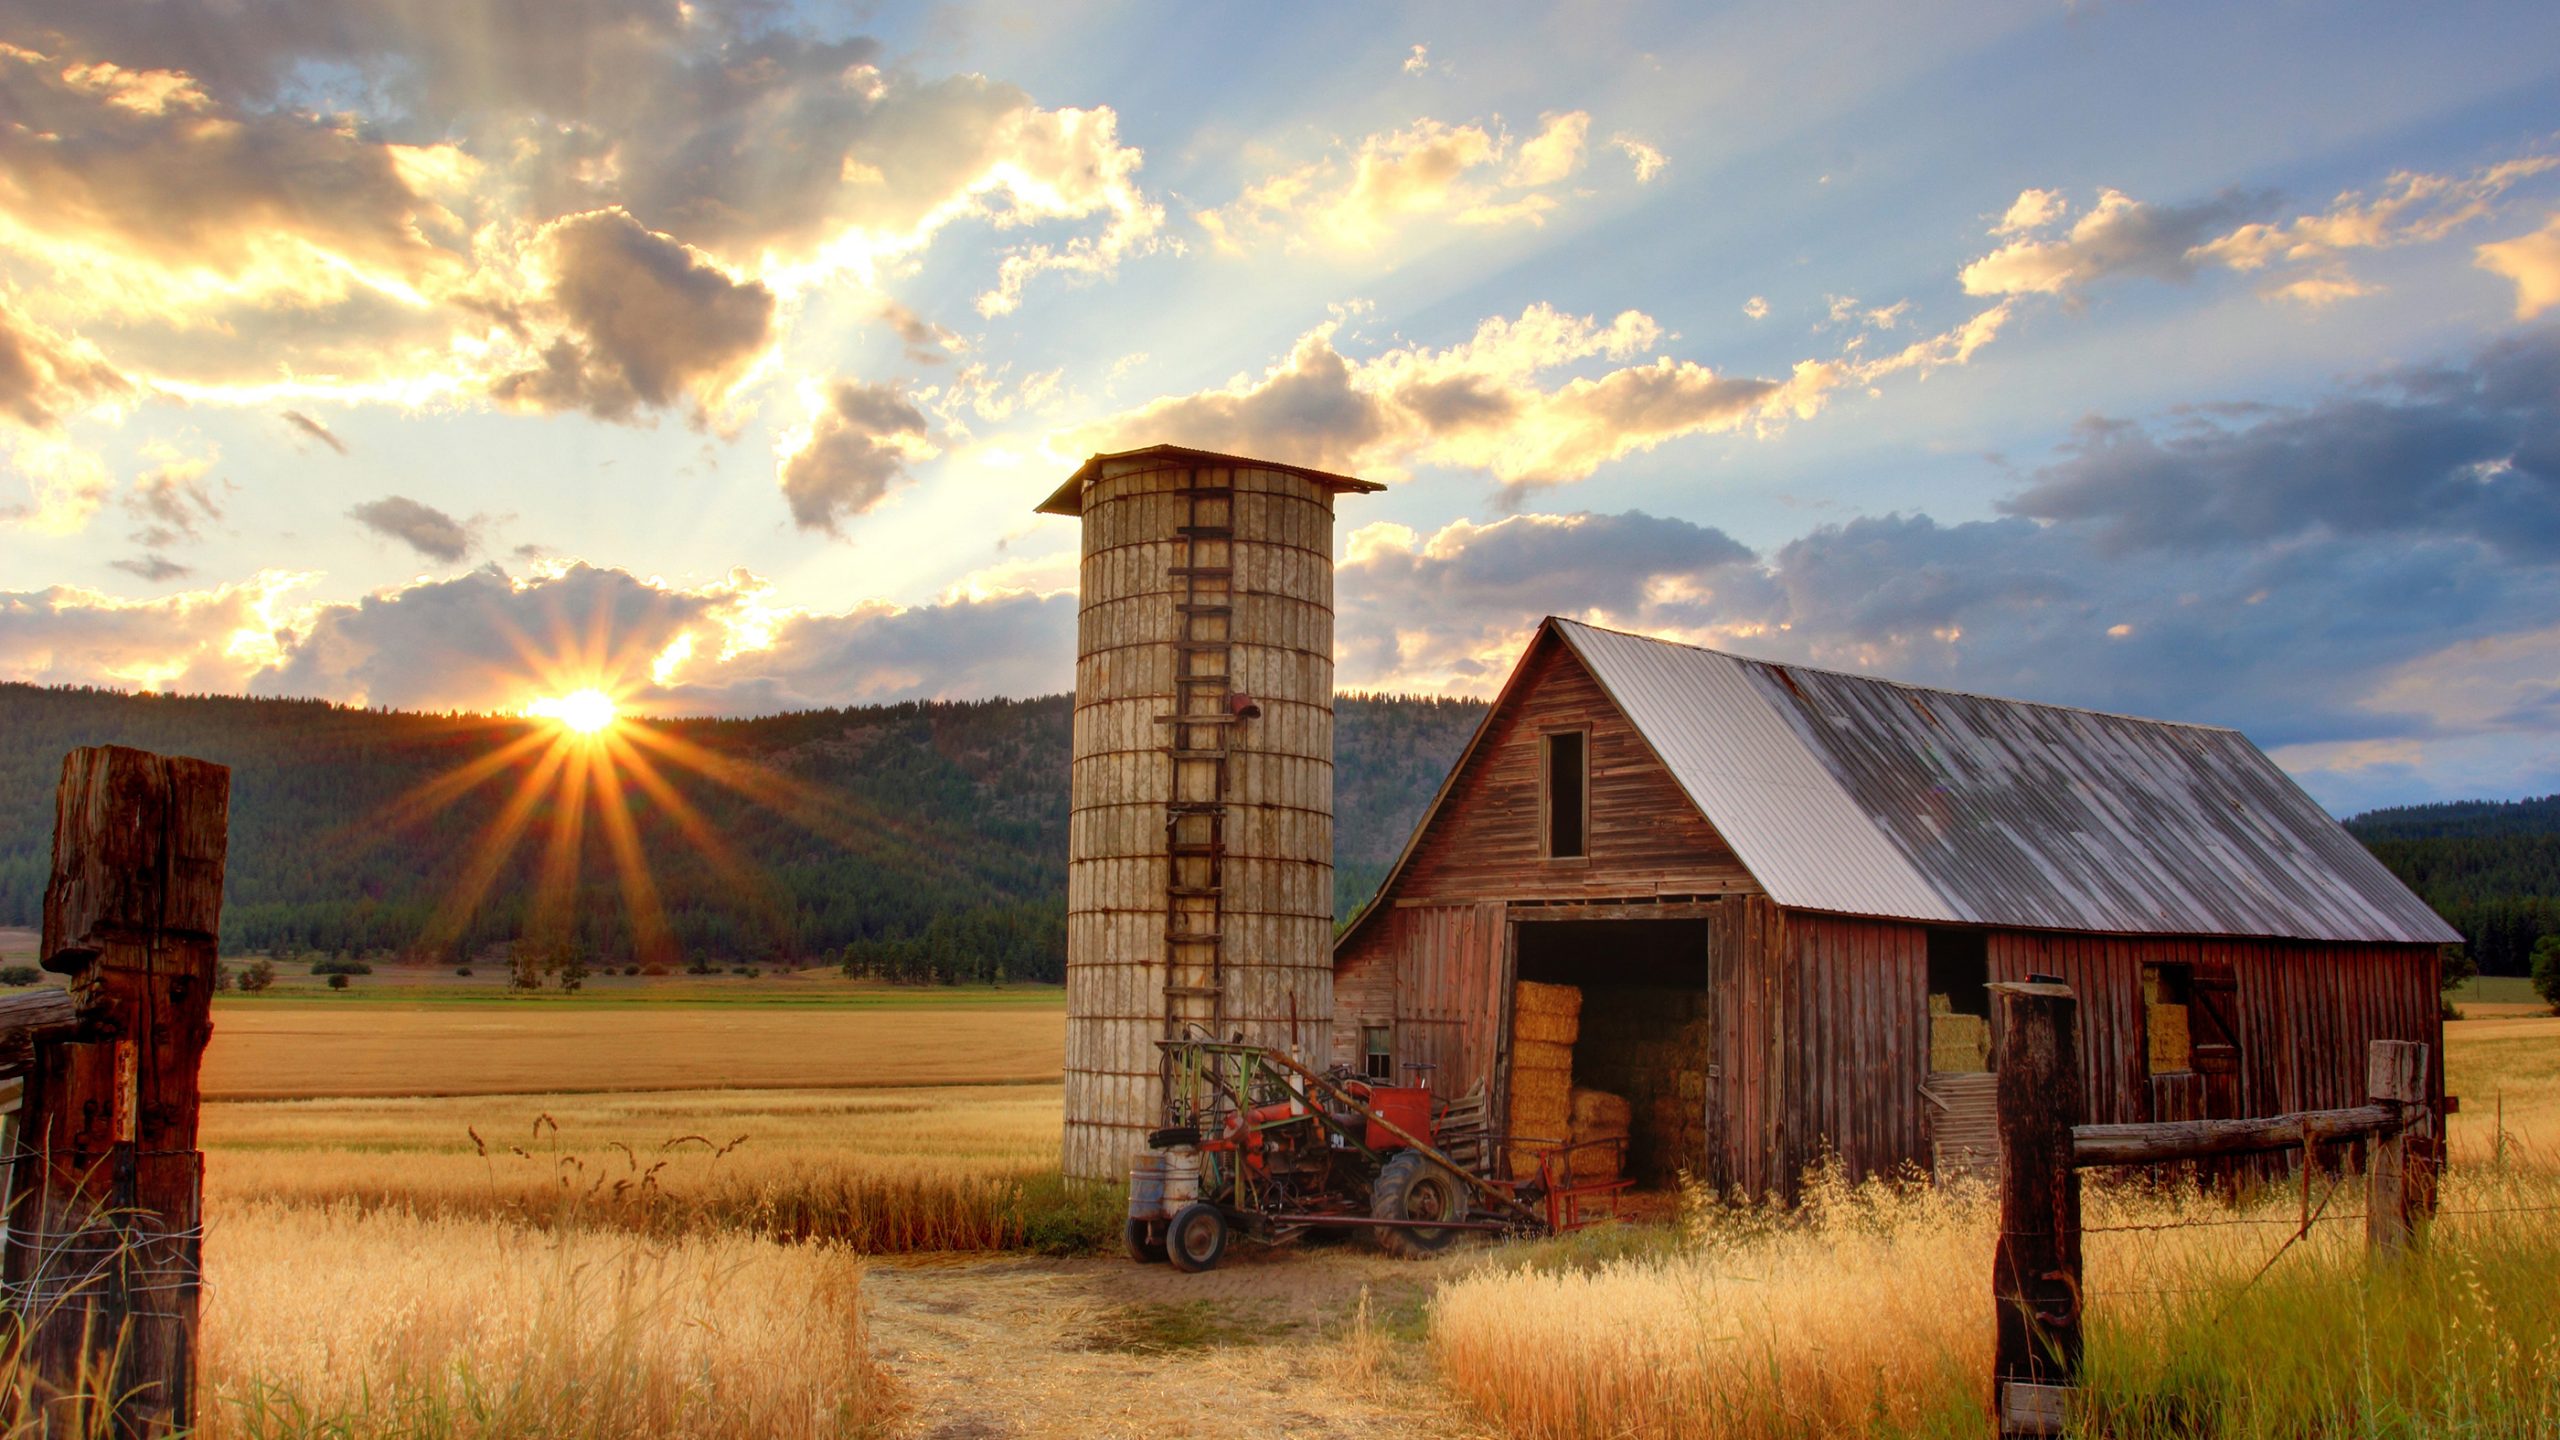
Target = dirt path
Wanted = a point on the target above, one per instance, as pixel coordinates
(1267, 1345)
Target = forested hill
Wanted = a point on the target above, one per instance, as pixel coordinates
(925, 837)
(921, 837)
(2490, 867)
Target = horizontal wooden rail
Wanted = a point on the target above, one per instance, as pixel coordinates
(2161, 1142)
(45, 1014)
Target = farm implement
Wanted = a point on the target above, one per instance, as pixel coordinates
(1258, 1146)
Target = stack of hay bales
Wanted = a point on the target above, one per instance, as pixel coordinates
(2172, 1048)
(1599, 1115)
(1959, 1044)
(1545, 1021)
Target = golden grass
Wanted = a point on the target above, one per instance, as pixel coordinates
(279, 1049)
(1869, 1312)
(343, 1323)
(2507, 1071)
(885, 1171)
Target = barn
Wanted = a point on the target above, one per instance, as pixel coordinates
(1779, 894)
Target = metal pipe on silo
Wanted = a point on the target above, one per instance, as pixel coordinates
(1200, 838)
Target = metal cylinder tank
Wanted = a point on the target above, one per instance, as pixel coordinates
(1200, 839)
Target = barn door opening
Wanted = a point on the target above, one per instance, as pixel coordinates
(1642, 1038)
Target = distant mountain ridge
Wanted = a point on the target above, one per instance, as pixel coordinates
(921, 837)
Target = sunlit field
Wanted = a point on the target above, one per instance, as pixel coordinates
(343, 1322)
(882, 1171)
(1869, 1311)
(279, 1048)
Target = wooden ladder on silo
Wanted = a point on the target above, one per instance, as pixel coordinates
(1203, 722)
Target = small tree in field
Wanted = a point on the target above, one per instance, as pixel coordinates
(2546, 971)
(257, 975)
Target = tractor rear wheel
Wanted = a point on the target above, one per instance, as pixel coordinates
(1196, 1237)
(1144, 1247)
(1411, 1187)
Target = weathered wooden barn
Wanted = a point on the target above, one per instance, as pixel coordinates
(1782, 892)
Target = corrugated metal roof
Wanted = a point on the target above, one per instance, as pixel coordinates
(1865, 796)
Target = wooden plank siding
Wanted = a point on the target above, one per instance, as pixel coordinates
(1437, 973)
(1645, 838)
(2305, 1011)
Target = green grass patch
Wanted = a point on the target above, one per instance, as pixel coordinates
(1164, 1329)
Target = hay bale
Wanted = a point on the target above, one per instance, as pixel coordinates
(1549, 1091)
(1531, 998)
(1959, 1044)
(1546, 1028)
(1596, 1166)
(1941, 1004)
(1599, 1115)
(2170, 1044)
(1542, 1055)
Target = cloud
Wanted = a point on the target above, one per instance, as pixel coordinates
(2122, 236)
(152, 569)
(2413, 209)
(1647, 160)
(1496, 401)
(420, 526)
(648, 323)
(2118, 236)
(2032, 210)
(207, 641)
(1418, 61)
(488, 640)
(1468, 174)
(250, 250)
(314, 430)
(926, 342)
(2532, 261)
(1554, 153)
(2469, 452)
(44, 376)
(1756, 308)
(171, 498)
(66, 483)
(856, 445)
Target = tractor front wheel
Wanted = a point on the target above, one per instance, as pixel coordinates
(1412, 1188)
(1196, 1238)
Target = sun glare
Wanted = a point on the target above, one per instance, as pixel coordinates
(588, 712)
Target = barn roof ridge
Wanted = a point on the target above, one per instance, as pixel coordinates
(1868, 677)
(1859, 798)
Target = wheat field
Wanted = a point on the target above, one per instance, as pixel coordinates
(1868, 1311)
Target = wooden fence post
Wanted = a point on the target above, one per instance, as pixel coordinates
(105, 1205)
(2036, 1270)
(2396, 1076)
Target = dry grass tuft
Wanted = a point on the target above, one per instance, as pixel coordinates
(336, 1322)
(1869, 1312)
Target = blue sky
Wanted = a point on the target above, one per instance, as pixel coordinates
(2198, 361)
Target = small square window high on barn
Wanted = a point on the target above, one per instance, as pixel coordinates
(1959, 1002)
(1377, 1057)
(2167, 991)
(1568, 794)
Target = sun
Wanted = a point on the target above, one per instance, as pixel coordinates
(587, 712)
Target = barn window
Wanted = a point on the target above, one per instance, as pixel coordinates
(1959, 1002)
(1568, 794)
(1377, 1057)
(2167, 992)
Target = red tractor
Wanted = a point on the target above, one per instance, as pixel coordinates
(1256, 1144)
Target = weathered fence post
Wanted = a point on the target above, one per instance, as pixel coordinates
(2396, 1077)
(105, 1204)
(2036, 1270)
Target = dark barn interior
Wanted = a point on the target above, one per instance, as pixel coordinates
(1648, 1027)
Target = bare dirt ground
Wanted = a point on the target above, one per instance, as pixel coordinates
(1266, 1345)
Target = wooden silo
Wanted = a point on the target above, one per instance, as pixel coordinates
(1200, 840)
